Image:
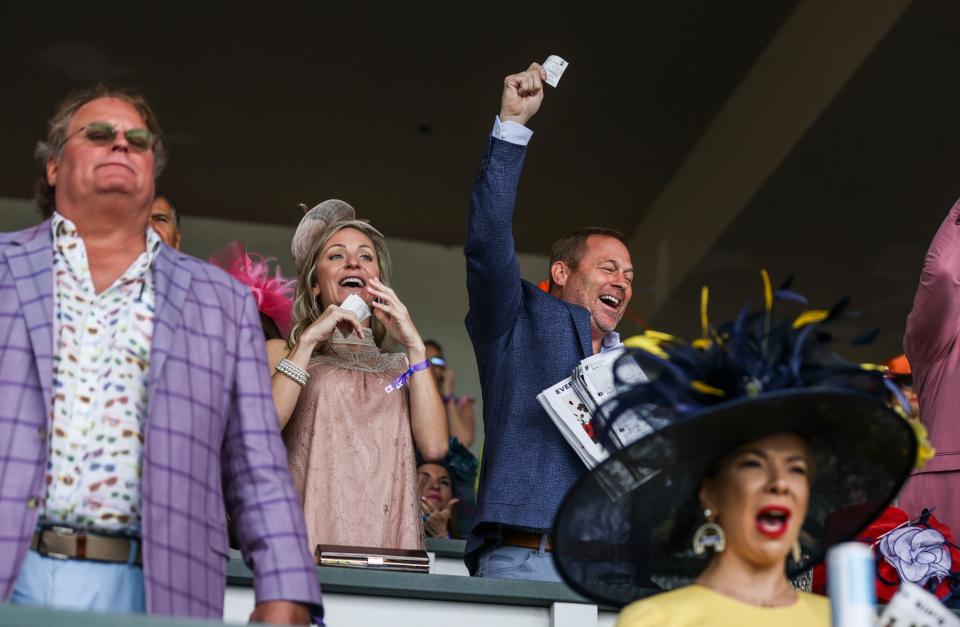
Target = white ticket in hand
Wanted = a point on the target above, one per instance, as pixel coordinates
(355, 304)
(555, 67)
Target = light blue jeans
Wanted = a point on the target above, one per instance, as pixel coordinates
(80, 585)
(517, 562)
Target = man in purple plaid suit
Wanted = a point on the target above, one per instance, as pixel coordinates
(135, 403)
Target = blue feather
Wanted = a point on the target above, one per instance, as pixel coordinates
(788, 295)
(751, 354)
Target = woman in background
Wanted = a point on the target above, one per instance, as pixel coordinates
(436, 499)
(461, 464)
(460, 410)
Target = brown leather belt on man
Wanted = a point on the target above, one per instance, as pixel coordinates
(525, 539)
(70, 543)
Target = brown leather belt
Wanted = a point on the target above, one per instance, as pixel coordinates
(527, 540)
(69, 543)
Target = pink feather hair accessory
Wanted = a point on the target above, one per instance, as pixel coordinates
(273, 292)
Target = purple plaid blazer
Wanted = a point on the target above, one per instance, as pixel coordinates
(212, 441)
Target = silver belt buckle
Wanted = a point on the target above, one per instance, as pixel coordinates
(60, 531)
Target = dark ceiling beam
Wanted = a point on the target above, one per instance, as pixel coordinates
(804, 67)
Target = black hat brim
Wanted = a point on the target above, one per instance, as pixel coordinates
(626, 527)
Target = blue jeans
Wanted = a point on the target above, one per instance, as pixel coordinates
(80, 585)
(517, 562)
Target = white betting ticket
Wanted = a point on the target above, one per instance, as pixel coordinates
(555, 67)
(355, 304)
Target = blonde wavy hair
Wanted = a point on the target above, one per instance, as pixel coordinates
(307, 307)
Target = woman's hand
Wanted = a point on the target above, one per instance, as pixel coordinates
(396, 319)
(286, 392)
(437, 519)
(322, 328)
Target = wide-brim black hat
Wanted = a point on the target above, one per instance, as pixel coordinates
(627, 527)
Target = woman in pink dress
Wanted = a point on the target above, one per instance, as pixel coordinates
(932, 344)
(350, 388)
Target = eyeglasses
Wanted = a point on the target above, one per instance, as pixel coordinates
(437, 361)
(103, 133)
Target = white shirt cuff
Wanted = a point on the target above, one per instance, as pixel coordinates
(512, 132)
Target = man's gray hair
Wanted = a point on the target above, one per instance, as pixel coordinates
(52, 145)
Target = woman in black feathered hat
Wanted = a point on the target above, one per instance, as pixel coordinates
(759, 433)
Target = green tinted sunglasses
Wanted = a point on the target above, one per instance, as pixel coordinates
(103, 133)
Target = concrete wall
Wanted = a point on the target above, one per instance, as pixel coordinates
(429, 278)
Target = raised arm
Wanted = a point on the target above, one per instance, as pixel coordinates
(428, 422)
(493, 272)
(934, 321)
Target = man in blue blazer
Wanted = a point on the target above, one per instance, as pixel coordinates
(525, 341)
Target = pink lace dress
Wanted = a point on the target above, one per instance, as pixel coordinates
(351, 451)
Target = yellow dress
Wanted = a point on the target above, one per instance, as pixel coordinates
(700, 606)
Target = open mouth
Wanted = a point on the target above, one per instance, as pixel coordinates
(772, 521)
(353, 282)
(610, 301)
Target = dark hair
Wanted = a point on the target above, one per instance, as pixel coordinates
(569, 248)
(173, 207)
(270, 329)
(50, 148)
(434, 344)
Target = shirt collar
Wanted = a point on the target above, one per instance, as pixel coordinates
(62, 228)
(610, 340)
(65, 230)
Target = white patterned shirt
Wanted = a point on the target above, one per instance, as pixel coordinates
(101, 360)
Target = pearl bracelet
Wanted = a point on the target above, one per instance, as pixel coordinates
(293, 372)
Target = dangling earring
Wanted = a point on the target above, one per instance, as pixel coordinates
(795, 552)
(709, 535)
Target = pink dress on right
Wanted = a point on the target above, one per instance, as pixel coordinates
(932, 344)
(351, 450)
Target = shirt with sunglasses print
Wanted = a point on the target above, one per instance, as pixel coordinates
(101, 360)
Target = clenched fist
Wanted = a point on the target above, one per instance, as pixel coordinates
(522, 94)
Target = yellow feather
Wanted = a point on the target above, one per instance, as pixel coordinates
(768, 304)
(702, 343)
(645, 344)
(809, 317)
(659, 336)
(703, 388)
(925, 450)
(767, 290)
(704, 319)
